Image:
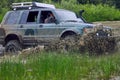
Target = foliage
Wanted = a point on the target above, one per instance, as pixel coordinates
(108, 2)
(2, 13)
(93, 12)
(99, 12)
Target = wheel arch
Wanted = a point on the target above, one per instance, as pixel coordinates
(12, 37)
(69, 32)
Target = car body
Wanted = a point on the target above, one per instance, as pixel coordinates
(27, 26)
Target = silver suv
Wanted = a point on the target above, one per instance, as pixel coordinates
(27, 25)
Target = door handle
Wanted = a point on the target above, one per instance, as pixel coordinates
(21, 26)
(40, 26)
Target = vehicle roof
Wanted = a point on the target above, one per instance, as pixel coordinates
(43, 9)
(31, 6)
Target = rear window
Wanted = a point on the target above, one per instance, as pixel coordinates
(12, 17)
(32, 17)
(29, 17)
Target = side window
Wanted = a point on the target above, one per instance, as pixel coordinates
(32, 16)
(47, 17)
(12, 17)
(24, 17)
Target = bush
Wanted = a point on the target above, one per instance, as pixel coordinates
(93, 12)
(100, 13)
(2, 13)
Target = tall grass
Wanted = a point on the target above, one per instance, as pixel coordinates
(55, 66)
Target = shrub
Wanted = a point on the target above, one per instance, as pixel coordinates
(94, 12)
(3, 11)
(100, 13)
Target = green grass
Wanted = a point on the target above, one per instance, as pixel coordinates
(60, 66)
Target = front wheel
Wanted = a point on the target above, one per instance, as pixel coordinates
(13, 46)
(70, 42)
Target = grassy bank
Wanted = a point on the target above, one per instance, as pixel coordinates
(55, 66)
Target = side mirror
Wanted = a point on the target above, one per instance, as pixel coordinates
(81, 12)
(56, 21)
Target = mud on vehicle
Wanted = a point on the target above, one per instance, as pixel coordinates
(25, 26)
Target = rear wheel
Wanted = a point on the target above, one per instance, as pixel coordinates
(13, 46)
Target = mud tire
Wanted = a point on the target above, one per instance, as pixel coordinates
(13, 46)
(70, 43)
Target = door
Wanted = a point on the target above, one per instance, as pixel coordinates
(28, 27)
(48, 30)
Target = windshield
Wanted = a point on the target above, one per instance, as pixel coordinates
(64, 15)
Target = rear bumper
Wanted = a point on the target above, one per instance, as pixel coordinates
(2, 42)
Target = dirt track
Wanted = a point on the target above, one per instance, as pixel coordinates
(115, 24)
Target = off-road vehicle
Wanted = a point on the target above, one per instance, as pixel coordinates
(25, 26)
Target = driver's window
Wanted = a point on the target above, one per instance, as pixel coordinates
(47, 17)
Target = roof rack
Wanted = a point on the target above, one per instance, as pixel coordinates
(31, 5)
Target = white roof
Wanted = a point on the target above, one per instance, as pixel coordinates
(32, 4)
(45, 5)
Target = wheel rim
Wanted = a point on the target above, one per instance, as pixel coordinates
(12, 49)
